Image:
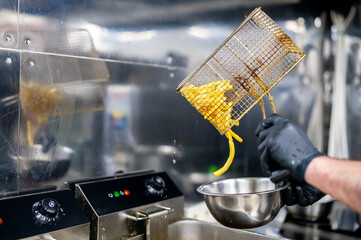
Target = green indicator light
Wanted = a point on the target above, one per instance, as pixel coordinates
(116, 194)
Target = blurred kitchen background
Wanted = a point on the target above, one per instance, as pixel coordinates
(88, 88)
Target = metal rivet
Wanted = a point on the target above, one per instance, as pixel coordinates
(8, 38)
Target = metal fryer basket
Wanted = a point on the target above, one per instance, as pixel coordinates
(241, 71)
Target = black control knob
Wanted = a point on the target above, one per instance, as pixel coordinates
(47, 211)
(155, 185)
(49, 207)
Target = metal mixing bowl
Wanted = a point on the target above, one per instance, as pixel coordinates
(38, 165)
(243, 202)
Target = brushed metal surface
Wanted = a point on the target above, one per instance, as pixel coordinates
(80, 232)
(243, 202)
(198, 230)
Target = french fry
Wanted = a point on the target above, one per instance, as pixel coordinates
(229, 161)
(210, 101)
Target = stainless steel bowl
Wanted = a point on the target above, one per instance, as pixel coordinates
(243, 202)
(39, 165)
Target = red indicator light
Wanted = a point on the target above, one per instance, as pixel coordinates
(126, 192)
(1, 221)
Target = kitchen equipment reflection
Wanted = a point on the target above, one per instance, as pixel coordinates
(9, 119)
(58, 96)
(41, 165)
(41, 101)
(320, 210)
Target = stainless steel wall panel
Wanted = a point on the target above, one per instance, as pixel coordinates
(9, 120)
(9, 24)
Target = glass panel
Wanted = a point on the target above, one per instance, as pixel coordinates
(61, 123)
(9, 23)
(157, 32)
(9, 121)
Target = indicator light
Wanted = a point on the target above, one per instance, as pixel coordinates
(1, 221)
(126, 192)
(116, 194)
(110, 195)
(121, 193)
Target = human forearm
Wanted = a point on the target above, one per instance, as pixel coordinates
(339, 178)
(284, 145)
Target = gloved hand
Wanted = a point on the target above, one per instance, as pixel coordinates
(302, 194)
(284, 145)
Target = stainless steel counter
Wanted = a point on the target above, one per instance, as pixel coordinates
(199, 230)
(278, 228)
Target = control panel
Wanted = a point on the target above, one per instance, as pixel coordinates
(32, 215)
(114, 195)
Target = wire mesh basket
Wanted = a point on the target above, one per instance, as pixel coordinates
(241, 71)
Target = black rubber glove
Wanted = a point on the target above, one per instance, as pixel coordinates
(284, 145)
(302, 194)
